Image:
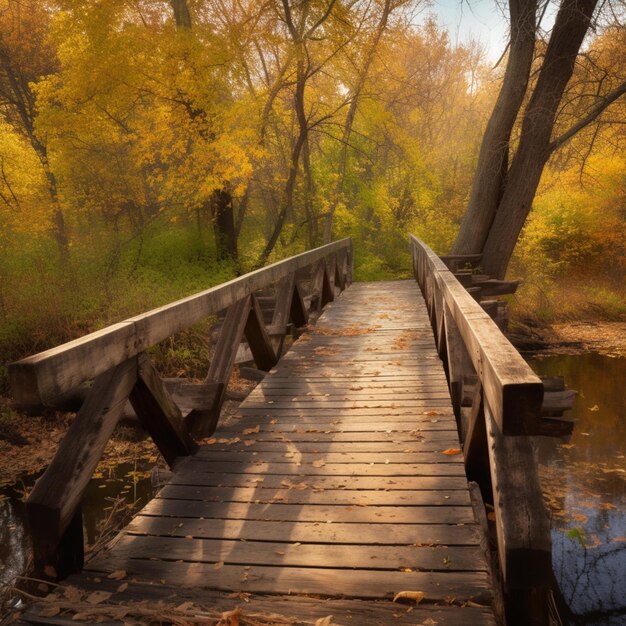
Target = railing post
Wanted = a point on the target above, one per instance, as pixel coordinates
(350, 263)
(53, 507)
(505, 409)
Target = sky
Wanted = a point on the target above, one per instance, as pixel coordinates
(483, 20)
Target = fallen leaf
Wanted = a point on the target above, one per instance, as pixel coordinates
(49, 571)
(248, 442)
(251, 431)
(318, 463)
(231, 618)
(416, 596)
(98, 596)
(82, 617)
(430, 413)
(452, 451)
(325, 621)
(72, 594)
(219, 565)
(117, 575)
(594, 408)
(122, 588)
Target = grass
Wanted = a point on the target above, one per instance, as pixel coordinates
(563, 300)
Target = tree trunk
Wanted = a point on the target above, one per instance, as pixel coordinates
(535, 147)
(224, 225)
(309, 192)
(303, 130)
(490, 175)
(182, 16)
(347, 129)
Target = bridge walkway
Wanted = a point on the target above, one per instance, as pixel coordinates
(340, 484)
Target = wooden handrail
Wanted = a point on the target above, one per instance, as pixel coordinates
(512, 390)
(497, 401)
(40, 378)
(114, 357)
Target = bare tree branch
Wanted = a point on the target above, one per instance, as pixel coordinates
(590, 117)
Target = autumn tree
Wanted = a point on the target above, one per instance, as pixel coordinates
(508, 172)
(26, 56)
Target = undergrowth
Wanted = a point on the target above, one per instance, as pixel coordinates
(44, 303)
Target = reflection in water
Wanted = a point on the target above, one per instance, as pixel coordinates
(128, 481)
(584, 480)
(14, 546)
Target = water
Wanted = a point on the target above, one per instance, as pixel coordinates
(584, 480)
(112, 493)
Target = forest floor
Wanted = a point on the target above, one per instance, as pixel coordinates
(575, 337)
(28, 443)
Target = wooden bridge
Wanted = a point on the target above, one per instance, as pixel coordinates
(342, 481)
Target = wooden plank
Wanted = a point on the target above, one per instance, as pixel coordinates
(252, 446)
(407, 436)
(258, 340)
(344, 497)
(158, 414)
(307, 532)
(369, 392)
(459, 362)
(438, 409)
(298, 313)
(252, 373)
(340, 270)
(328, 514)
(475, 446)
(437, 586)
(231, 552)
(277, 481)
(283, 380)
(490, 287)
(280, 317)
(222, 363)
(297, 456)
(322, 402)
(56, 496)
(328, 290)
(267, 468)
(42, 377)
(522, 522)
(297, 610)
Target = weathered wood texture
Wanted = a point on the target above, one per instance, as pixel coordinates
(512, 391)
(340, 478)
(124, 374)
(52, 505)
(495, 395)
(44, 376)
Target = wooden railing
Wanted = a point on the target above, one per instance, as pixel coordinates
(115, 359)
(497, 401)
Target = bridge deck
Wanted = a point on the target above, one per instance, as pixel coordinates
(341, 479)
